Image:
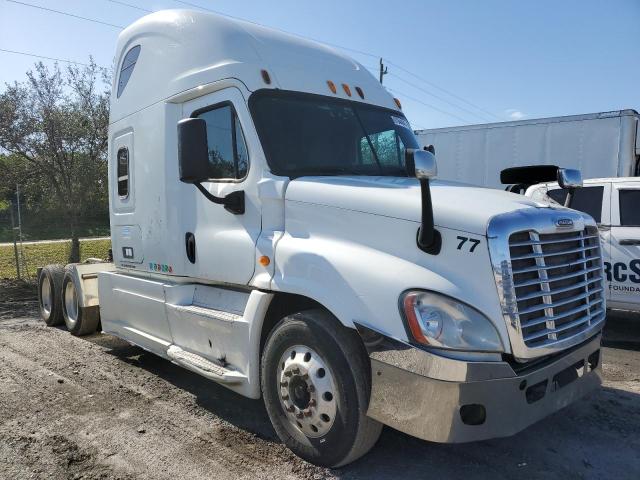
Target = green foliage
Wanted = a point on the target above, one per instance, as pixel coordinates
(53, 130)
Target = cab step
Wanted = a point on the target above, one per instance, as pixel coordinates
(204, 367)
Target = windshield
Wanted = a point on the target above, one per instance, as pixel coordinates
(304, 134)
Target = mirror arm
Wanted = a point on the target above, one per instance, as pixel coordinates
(567, 201)
(429, 239)
(234, 202)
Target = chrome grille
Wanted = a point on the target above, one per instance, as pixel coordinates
(558, 285)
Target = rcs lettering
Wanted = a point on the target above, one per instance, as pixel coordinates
(618, 271)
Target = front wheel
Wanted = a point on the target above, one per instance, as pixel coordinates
(316, 387)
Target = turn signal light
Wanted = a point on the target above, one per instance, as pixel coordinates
(264, 260)
(332, 86)
(346, 89)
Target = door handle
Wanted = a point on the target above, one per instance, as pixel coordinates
(190, 246)
(629, 241)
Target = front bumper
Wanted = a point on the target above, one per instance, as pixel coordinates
(445, 400)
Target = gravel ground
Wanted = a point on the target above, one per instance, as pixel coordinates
(98, 408)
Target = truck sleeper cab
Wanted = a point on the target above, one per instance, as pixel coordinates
(275, 228)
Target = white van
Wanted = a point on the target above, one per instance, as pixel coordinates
(615, 205)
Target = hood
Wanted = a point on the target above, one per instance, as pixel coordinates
(455, 205)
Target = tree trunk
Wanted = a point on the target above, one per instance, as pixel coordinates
(74, 253)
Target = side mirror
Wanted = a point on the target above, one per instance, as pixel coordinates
(569, 178)
(193, 155)
(421, 164)
(193, 163)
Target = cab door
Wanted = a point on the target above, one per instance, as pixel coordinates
(624, 270)
(220, 245)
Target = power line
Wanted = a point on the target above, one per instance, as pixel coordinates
(300, 36)
(66, 14)
(125, 4)
(397, 92)
(417, 87)
(442, 89)
(42, 56)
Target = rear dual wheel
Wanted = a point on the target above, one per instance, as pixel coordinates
(50, 294)
(316, 387)
(79, 320)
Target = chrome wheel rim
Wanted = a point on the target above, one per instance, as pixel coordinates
(71, 304)
(46, 297)
(307, 391)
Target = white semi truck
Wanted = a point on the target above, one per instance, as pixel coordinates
(600, 145)
(276, 229)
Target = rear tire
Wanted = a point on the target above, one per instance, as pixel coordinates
(316, 383)
(79, 320)
(49, 294)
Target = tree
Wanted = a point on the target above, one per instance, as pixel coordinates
(56, 123)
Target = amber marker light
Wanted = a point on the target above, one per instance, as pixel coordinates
(360, 92)
(346, 89)
(412, 319)
(398, 103)
(264, 260)
(332, 86)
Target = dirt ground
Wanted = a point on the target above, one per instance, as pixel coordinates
(98, 408)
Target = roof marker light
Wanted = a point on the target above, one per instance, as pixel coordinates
(360, 92)
(398, 103)
(332, 86)
(265, 77)
(346, 89)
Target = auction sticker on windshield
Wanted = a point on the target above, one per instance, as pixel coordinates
(401, 122)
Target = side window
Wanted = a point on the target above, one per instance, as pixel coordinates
(123, 172)
(126, 70)
(228, 157)
(585, 199)
(629, 211)
(559, 195)
(388, 146)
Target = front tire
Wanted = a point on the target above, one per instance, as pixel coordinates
(79, 320)
(316, 383)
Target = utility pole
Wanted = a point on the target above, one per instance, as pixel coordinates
(19, 214)
(383, 70)
(15, 245)
(23, 258)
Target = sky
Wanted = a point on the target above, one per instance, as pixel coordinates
(453, 62)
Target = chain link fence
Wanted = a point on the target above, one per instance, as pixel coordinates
(36, 238)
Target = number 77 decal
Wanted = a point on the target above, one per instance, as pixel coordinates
(474, 243)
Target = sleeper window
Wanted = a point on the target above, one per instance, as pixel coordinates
(123, 172)
(126, 70)
(228, 158)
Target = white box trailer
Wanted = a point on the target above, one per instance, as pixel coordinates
(275, 229)
(600, 145)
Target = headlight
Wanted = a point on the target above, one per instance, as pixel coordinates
(443, 322)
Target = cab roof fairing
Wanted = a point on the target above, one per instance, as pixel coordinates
(184, 49)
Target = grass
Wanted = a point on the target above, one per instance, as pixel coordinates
(40, 254)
